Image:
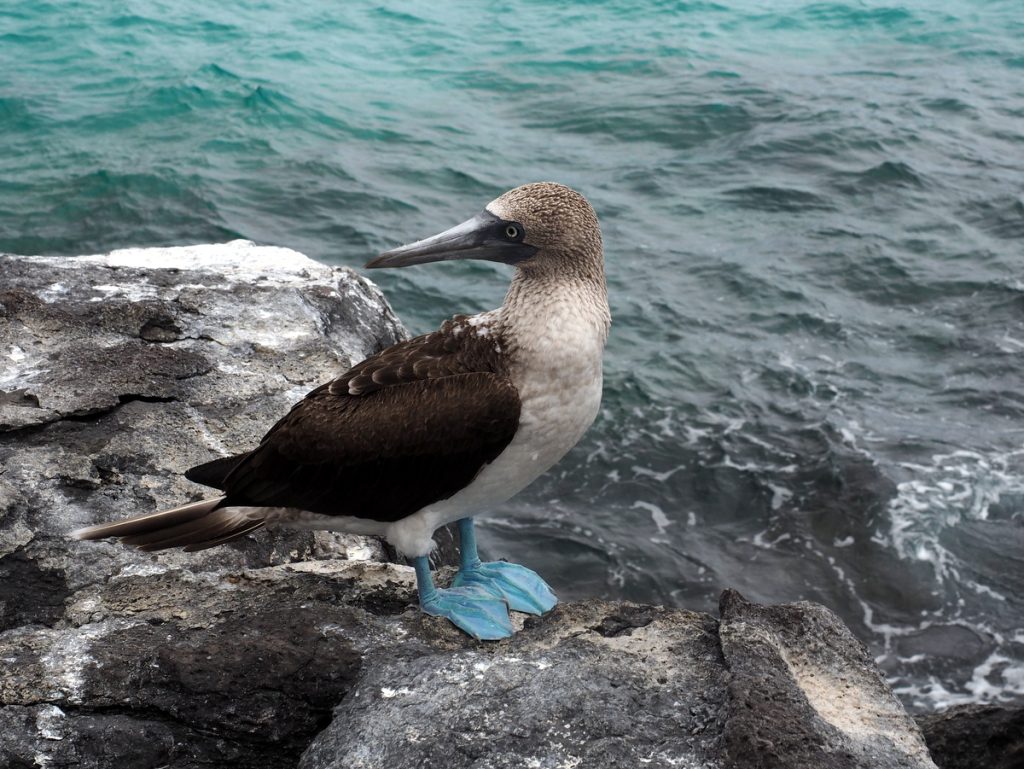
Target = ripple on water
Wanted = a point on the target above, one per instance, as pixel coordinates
(886, 174)
(1001, 217)
(777, 199)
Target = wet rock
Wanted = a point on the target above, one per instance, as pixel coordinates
(331, 661)
(617, 685)
(180, 670)
(975, 736)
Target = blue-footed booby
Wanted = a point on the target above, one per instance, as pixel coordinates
(438, 428)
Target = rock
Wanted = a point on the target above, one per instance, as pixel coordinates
(119, 372)
(974, 736)
(291, 649)
(800, 660)
(591, 684)
(179, 669)
(606, 685)
(243, 669)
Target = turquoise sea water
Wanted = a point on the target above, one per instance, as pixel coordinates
(814, 225)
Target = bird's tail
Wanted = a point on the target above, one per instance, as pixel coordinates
(195, 526)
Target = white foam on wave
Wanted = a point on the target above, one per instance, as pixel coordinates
(762, 541)
(660, 477)
(998, 679)
(780, 495)
(933, 495)
(955, 487)
(661, 520)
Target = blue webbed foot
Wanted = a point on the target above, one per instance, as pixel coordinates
(472, 609)
(519, 587)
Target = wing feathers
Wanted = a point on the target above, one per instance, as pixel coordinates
(382, 455)
(456, 348)
(213, 473)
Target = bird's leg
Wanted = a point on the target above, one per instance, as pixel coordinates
(471, 608)
(468, 557)
(521, 588)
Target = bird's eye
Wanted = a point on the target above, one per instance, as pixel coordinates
(512, 232)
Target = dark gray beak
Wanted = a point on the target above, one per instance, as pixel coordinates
(485, 236)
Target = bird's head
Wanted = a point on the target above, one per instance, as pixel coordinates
(536, 227)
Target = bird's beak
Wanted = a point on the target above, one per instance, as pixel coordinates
(485, 236)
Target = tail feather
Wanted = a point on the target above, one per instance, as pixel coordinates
(225, 522)
(226, 538)
(195, 526)
(141, 524)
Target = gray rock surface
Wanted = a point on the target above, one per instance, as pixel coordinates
(118, 372)
(243, 669)
(606, 685)
(284, 649)
(591, 685)
(800, 660)
(177, 669)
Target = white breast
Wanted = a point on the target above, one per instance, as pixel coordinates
(559, 403)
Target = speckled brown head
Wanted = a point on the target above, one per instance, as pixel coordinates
(539, 227)
(557, 221)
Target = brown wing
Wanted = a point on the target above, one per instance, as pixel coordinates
(455, 348)
(406, 428)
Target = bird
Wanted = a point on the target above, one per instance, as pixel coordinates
(436, 429)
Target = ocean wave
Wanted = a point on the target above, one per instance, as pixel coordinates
(1001, 217)
(963, 485)
(661, 124)
(777, 199)
(887, 174)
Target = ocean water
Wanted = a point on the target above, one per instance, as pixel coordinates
(814, 227)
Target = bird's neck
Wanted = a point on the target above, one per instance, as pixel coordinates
(544, 306)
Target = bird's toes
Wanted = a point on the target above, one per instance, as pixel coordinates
(521, 588)
(473, 610)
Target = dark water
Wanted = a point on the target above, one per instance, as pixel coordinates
(813, 214)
